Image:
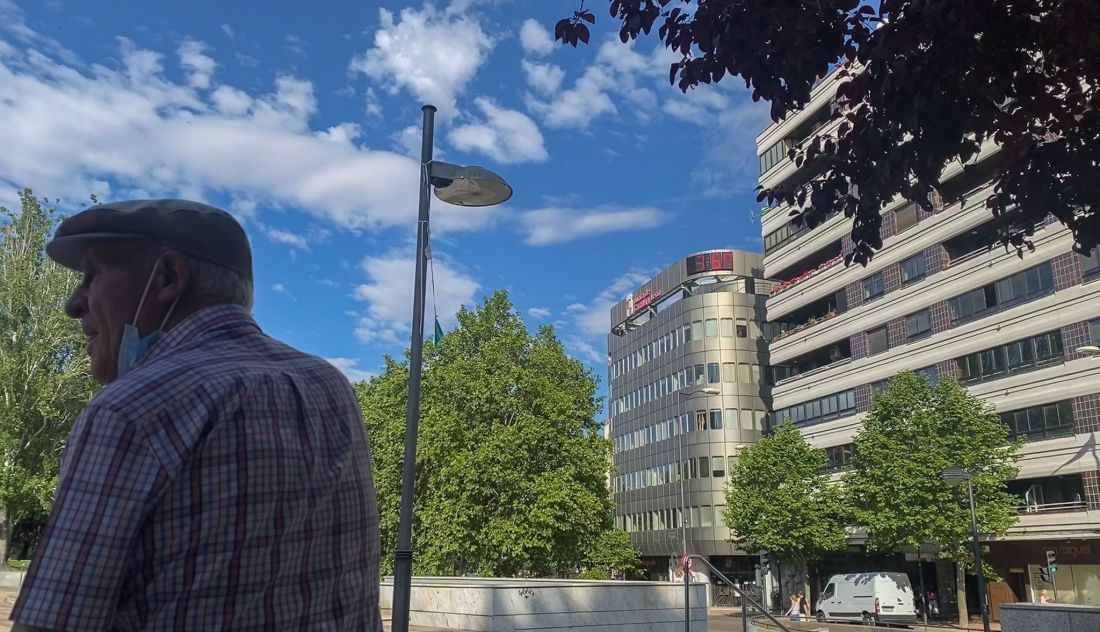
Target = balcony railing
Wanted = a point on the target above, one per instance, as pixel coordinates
(786, 285)
(1074, 505)
(806, 325)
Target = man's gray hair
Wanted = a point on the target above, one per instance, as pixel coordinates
(220, 283)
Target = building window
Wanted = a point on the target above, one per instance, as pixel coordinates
(742, 328)
(731, 462)
(1090, 265)
(746, 419)
(728, 372)
(838, 457)
(774, 154)
(1096, 329)
(706, 516)
(700, 376)
(918, 325)
(744, 374)
(759, 419)
(877, 341)
(912, 269)
(727, 328)
(715, 419)
(1018, 288)
(818, 410)
(700, 420)
(873, 286)
(718, 467)
(878, 387)
(1015, 357)
(1041, 422)
(905, 217)
(685, 333)
(756, 374)
(704, 467)
(712, 328)
(930, 373)
(696, 330)
(714, 373)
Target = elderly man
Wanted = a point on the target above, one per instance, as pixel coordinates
(221, 480)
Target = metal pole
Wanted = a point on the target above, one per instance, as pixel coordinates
(978, 558)
(923, 593)
(686, 561)
(683, 530)
(403, 556)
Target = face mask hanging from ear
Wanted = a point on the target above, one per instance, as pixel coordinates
(133, 346)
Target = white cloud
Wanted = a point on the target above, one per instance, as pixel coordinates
(556, 225)
(196, 63)
(594, 317)
(388, 294)
(538, 312)
(431, 54)
(544, 78)
(278, 288)
(68, 131)
(228, 30)
(536, 40)
(350, 368)
(506, 136)
(585, 351)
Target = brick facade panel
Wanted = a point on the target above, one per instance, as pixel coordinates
(886, 230)
(941, 316)
(947, 367)
(863, 398)
(1074, 336)
(1086, 413)
(1067, 270)
(891, 276)
(859, 346)
(895, 332)
(1091, 483)
(935, 259)
(854, 293)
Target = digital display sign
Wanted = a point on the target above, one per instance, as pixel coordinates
(709, 262)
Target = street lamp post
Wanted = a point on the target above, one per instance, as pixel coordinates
(683, 504)
(462, 186)
(958, 476)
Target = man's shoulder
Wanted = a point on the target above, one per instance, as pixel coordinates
(213, 369)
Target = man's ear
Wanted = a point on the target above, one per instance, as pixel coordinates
(173, 278)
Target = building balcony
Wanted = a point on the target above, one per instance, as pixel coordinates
(813, 362)
(809, 267)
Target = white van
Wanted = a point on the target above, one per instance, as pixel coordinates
(869, 598)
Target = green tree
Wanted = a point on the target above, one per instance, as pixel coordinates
(44, 380)
(913, 432)
(511, 471)
(613, 551)
(779, 499)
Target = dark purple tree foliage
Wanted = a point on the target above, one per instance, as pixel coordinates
(924, 82)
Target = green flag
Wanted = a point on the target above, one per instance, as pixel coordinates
(438, 333)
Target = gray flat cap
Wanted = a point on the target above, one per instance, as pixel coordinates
(193, 228)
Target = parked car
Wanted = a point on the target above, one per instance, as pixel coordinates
(879, 597)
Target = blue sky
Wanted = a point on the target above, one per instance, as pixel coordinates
(302, 119)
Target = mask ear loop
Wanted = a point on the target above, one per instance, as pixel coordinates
(145, 292)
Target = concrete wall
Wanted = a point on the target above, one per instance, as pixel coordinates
(498, 605)
(1030, 617)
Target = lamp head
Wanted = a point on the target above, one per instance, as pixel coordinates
(956, 476)
(468, 186)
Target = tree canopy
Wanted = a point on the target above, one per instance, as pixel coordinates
(511, 470)
(913, 432)
(613, 551)
(779, 499)
(44, 380)
(924, 83)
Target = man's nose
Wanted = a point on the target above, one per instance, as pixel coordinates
(77, 304)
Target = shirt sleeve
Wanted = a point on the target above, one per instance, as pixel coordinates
(109, 477)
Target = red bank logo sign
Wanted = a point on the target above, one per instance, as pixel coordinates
(642, 300)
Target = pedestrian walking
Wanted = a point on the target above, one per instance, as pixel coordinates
(220, 480)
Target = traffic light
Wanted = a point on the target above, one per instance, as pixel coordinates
(1052, 562)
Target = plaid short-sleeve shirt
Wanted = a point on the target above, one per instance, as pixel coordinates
(222, 484)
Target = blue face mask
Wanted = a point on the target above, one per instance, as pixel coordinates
(133, 346)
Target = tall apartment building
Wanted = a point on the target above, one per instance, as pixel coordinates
(686, 353)
(937, 301)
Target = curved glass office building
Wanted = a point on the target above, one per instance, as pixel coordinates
(687, 357)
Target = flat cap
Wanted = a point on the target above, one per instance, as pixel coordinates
(193, 228)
